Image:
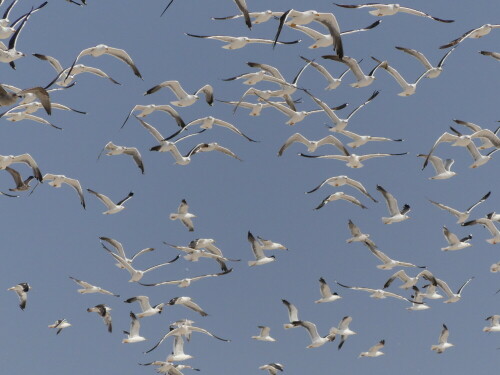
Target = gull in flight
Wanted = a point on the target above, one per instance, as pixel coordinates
(184, 283)
(213, 146)
(20, 184)
(352, 160)
(452, 297)
(316, 339)
(8, 54)
(397, 215)
(131, 151)
(19, 116)
(184, 216)
(133, 336)
(409, 282)
(194, 255)
(431, 291)
(264, 334)
(391, 9)
(343, 180)
(479, 159)
(60, 324)
(6, 30)
(360, 140)
(408, 88)
(388, 263)
(32, 107)
(418, 301)
(443, 341)
(10, 98)
(326, 293)
(333, 82)
(58, 179)
(461, 216)
(293, 314)
(376, 293)
(442, 167)
(311, 145)
(486, 142)
(343, 330)
(258, 252)
(272, 368)
(121, 251)
(112, 207)
(340, 195)
(187, 302)
(494, 324)
(7, 160)
(147, 309)
(21, 290)
(178, 351)
(357, 235)
(431, 71)
(495, 55)
(185, 99)
(454, 243)
(236, 42)
(103, 312)
(89, 288)
(167, 367)
(362, 80)
(256, 17)
(374, 351)
(474, 33)
(256, 108)
(488, 224)
(146, 110)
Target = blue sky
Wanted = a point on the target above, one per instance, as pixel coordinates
(47, 236)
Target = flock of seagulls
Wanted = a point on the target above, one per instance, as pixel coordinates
(296, 103)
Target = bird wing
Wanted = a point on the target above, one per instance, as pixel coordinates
(104, 199)
(392, 203)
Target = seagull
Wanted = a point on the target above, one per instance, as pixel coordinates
(431, 291)
(121, 252)
(476, 128)
(343, 330)
(256, 108)
(352, 160)
(22, 290)
(102, 49)
(360, 140)
(461, 216)
(270, 245)
(474, 33)
(59, 179)
(454, 242)
(362, 80)
(213, 146)
(8, 54)
(391, 9)
(257, 17)
(343, 180)
(112, 207)
(272, 368)
(32, 107)
(185, 99)
(388, 263)
(311, 145)
(333, 82)
(326, 293)
(146, 110)
(495, 55)
(409, 282)
(494, 324)
(19, 116)
(376, 293)
(357, 236)
(187, 302)
(293, 314)
(236, 42)
(418, 301)
(133, 336)
(443, 341)
(60, 324)
(442, 168)
(147, 309)
(488, 224)
(8, 98)
(495, 267)
(178, 351)
(340, 195)
(167, 367)
(194, 255)
(316, 339)
(20, 184)
(452, 297)
(408, 88)
(264, 334)
(478, 158)
(431, 71)
(258, 252)
(89, 288)
(188, 280)
(7, 160)
(119, 150)
(374, 351)
(103, 312)
(6, 30)
(397, 215)
(183, 215)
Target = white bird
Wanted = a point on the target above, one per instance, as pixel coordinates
(8, 54)
(418, 301)
(343, 180)
(495, 267)
(494, 324)
(479, 159)
(326, 293)
(333, 82)
(185, 99)
(7, 160)
(187, 302)
(293, 314)
(236, 42)
(442, 168)
(258, 252)
(121, 251)
(146, 110)
(388, 263)
(409, 282)
(376, 293)
(58, 179)
(454, 243)
(184, 283)
(133, 336)
(272, 368)
(340, 195)
(316, 339)
(112, 207)
(264, 334)
(212, 146)
(486, 142)
(397, 215)
(374, 351)
(495, 55)
(89, 288)
(343, 330)
(443, 341)
(311, 145)
(431, 291)
(360, 140)
(352, 160)
(147, 309)
(431, 71)
(5, 30)
(103, 312)
(184, 216)
(391, 9)
(408, 88)
(461, 216)
(256, 108)
(60, 324)
(488, 224)
(19, 116)
(362, 80)
(178, 354)
(270, 245)
(256, 17)
(33, 107)
(27, 95)
(21, 290)
(131, 151)
(167, 367)
(474, 33)
(194, 255)
(295, 116)
(357, 235)
(452, 297)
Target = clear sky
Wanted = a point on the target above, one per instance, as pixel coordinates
(47, 236)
